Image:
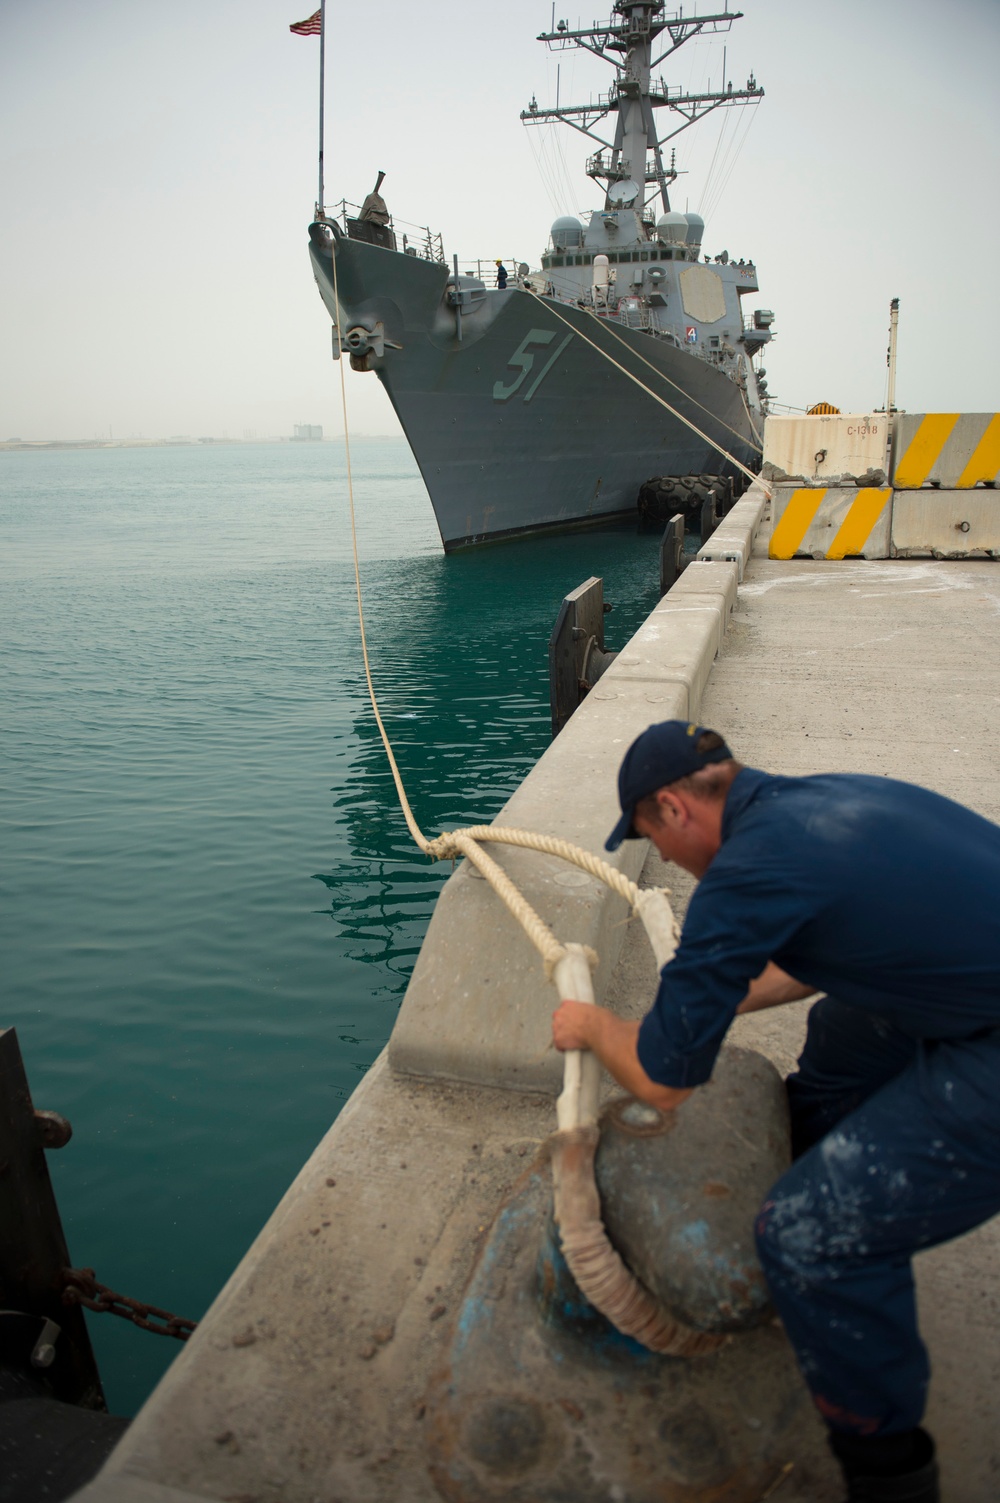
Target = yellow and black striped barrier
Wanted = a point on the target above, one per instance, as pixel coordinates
(953, 450)
(831, 522)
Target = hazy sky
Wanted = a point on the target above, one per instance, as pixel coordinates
(159, 172)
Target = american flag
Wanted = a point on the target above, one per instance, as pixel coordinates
(310, 28)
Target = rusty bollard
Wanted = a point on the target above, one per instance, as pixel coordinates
(540, 1398)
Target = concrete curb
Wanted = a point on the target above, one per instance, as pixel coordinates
(123, 1487)
(712, 586)
(733, 539)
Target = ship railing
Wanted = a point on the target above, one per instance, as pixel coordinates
(625, 310)
(485, 268)
(413, 239)
(600, 166)
(634, 314)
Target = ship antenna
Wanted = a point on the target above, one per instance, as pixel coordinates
(626, 43)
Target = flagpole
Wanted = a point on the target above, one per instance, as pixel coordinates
(322, 78)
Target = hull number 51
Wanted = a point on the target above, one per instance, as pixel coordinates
(523, 361)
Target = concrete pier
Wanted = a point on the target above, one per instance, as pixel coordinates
(306, 1381)
(911, 690)
(889, 668)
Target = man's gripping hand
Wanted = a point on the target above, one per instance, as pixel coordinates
(581, 1025)
(575, 1025)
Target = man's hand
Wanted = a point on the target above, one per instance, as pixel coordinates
(581, 1025)
(574, 1025)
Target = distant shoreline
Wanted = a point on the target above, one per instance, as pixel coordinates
(18, 445)
(136, 443)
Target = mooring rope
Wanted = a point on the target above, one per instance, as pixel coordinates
(602, 1276)
(551, 845)
(750, 474)
(404, 802)
(606, 324)
(463, 842)
(753, 430)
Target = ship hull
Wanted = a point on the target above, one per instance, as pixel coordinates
(517, 422)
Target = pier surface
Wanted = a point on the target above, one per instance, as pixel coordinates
(306, 1380)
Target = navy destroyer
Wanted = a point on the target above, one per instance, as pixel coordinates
(618, 374)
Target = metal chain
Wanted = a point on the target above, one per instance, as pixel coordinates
(80, 1287)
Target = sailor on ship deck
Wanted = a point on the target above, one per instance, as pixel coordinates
(885, 897)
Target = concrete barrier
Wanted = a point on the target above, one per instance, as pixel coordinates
(946, 524)
(949, 449)
(825, 447)
(830, 522)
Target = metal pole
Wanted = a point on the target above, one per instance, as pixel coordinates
(322, 79)
(458, 304)
(890, 405)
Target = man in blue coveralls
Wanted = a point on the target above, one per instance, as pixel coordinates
(887, 898)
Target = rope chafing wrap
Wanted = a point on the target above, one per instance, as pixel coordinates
(597, 1266)
(642, 385)
(600, 1272)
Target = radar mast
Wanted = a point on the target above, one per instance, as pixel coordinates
(631, 179)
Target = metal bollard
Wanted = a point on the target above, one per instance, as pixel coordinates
(671, 551)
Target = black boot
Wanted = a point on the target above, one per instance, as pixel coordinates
(921, 1486)
(888, 1469)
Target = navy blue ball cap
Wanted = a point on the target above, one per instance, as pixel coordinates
(661, 755)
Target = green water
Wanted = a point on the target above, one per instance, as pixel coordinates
(209, 901)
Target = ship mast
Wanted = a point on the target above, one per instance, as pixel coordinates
(629, 175)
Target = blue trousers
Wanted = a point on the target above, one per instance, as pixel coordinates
(897, 1144)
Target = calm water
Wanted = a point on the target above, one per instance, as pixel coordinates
(209, 901)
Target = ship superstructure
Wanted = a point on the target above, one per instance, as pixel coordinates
(540, 404)
(646, 277)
